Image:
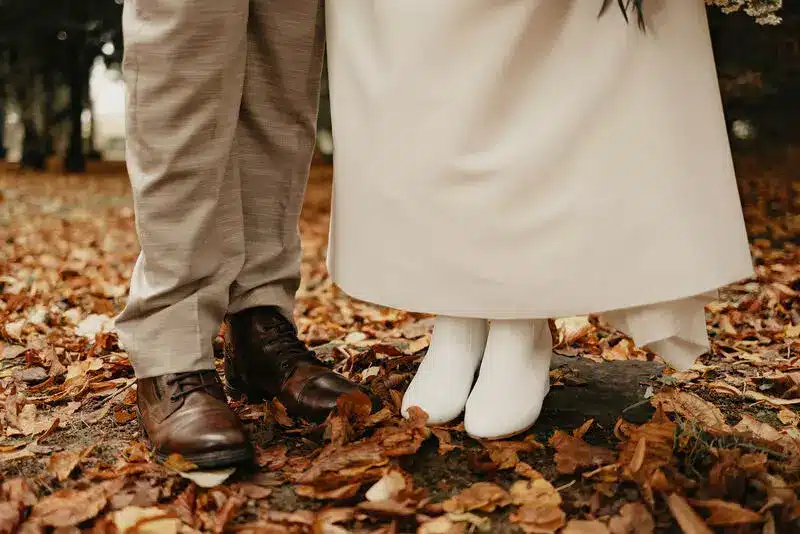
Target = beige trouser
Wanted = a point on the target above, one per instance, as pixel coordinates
(222, 104)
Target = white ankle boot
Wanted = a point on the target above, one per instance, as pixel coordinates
(513, 381)
(446, 374)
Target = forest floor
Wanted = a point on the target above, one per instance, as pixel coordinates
(624, 445)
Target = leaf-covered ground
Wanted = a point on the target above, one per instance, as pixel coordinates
(622, 446)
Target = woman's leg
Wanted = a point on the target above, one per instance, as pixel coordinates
(514, 379)
(445, 377)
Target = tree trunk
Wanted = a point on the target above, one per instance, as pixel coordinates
(92, 153)
(48, 95)
(2, 127)
(75, 160)
(33, 156)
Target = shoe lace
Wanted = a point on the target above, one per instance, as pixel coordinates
(289, 350)
(188, 383)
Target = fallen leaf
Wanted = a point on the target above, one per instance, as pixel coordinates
(178, 463)
(388, 487)
(345, 491)
(388, 508)
(445, 440)
(280, 414)
(252, 491)
(208, 479)
(633, 518)
(442, 525)
(689, 521)
(576, 526)
(573, 453)
(527, 471)
(62, 464)
(272, 458)
(483, 496)
(726, 514)
(772, 401)
(693, 408)
(68, 508)
(137, 520)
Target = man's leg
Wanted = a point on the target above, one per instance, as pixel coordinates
(184, 68)
(275, 138)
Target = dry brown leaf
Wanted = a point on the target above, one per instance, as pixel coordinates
(577, 526)
(178, 463)
(134, 519)
(538, 519)
(659, 435)
(573, 453)
(345, 491)
(248, 490)
(483, 496)
(540, 506)
(773, 401)
(445, 440)
(388, 508)
(278, 411)
(763, 431)
(356, 457)
(67, 508)
(525, 470)
(272, 458)
(689, 521)
(726, 514)
(62, 464)
(388, 487)
(441, 525)
(693, 408)
(633, 518)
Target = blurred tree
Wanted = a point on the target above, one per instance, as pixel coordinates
(46, 45)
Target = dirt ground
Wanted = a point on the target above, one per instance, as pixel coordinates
(623, 445)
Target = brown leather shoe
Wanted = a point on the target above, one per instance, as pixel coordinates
(187, 414)
(264, 359)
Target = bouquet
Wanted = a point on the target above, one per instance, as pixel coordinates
(763, 11)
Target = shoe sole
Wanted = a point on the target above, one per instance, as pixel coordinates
(504, 436)
(205, 460)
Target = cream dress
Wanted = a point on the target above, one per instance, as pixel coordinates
(510, 159)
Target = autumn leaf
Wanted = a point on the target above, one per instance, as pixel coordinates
(585, 527)
(726, 514)
(689, 521)
(573, 453)
(176, 462)
(693, 408)
(388, 487)
(633, 518)
(134, 519)
(483, 496)
(67, 508)
(62, 464)
(539, 506)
